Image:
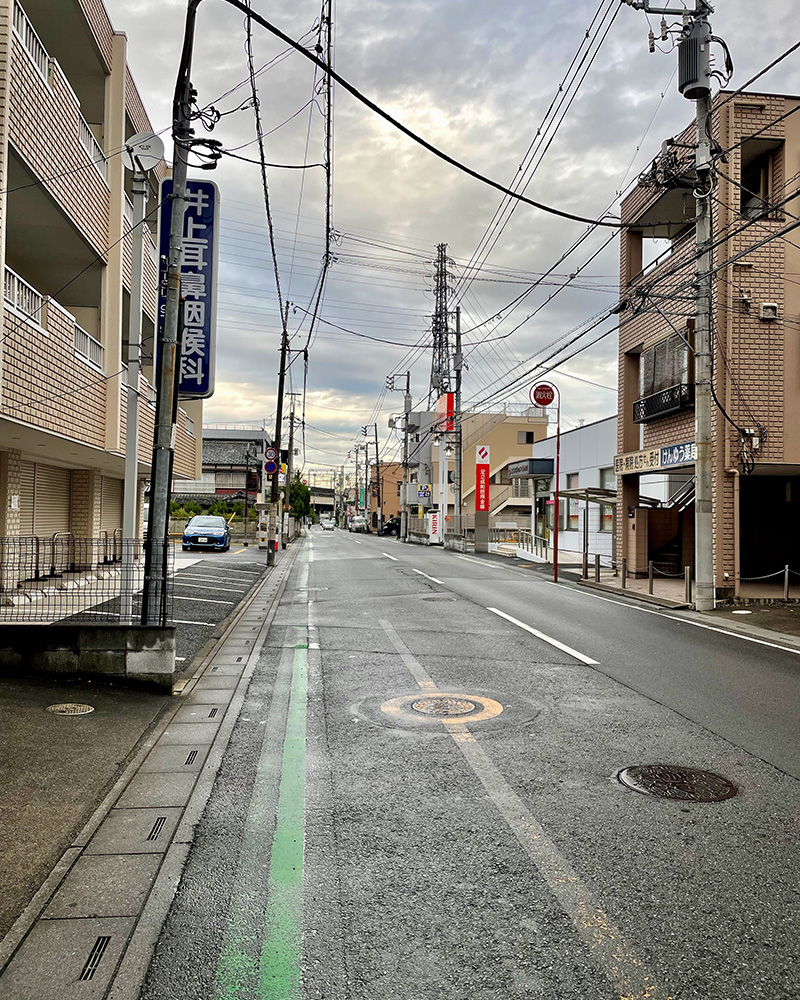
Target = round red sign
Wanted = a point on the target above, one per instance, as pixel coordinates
(543, 394)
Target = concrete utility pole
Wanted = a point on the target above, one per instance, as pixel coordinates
(440, 360)
(458, 366)
(274, 495)
(390, 385)
(364, 430)
(694, 82)
(155, 567)
(289, 460)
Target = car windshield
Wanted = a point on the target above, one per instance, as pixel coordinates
(207, 522)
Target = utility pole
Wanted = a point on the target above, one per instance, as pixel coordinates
(694, 82)
(289, 461)
(274, 495)
(377, 472)
(154, 593)
(440, 359)
(390, 385)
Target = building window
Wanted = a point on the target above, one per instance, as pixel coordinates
(758, 181)
(573, 516)
(522, 487)
(231, 480)
(608, 481)
(664, 365)
(525, 437)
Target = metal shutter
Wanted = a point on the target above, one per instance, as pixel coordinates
(111, 505)
(52, 496)
(27, 470)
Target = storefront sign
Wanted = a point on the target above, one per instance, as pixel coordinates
(655, 459)
(527, 468)
(482, 476)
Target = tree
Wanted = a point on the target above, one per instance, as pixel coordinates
(299, 498)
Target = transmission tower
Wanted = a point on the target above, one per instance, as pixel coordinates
(440, 361)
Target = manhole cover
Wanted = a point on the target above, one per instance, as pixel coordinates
(70, 708)
(444, 706)
(670, 782)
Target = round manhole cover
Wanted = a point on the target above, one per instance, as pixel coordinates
(685, 783)
(444, 706)
(70, 708)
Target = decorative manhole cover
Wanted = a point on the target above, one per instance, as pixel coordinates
(670, 782)
(444, 706)
(70, 708)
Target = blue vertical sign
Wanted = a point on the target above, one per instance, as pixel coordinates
(199, 262)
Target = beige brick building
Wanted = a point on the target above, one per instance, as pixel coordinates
(755, 349)
(67, 105)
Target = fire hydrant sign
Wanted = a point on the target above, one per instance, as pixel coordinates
(198, 318)
(482, 475)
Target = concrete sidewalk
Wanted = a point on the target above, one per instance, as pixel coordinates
(81, 920)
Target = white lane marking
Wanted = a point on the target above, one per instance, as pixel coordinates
(480, 562)
(433, 578)
(545, 638)
(687, 621)
(356, 541)
(606, 945)
(179, 659)
(393, 558)
(219, 590)
(201, 600)
(177, 621)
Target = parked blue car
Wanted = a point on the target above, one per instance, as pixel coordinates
(207, 531)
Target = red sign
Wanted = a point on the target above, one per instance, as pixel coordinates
(446, 411)
(543, 394)
(482, 487)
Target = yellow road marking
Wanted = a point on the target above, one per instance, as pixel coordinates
(236, 553)
(606, 944)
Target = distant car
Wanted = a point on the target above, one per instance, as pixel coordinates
(207, 531)
(391, 526)
(358, 524)
(327, 525)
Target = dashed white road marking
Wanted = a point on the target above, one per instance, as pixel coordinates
(545, 638)
(393, 558)
(433, 578)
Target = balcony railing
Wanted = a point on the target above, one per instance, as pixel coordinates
(661, 404)
(23, 298)
(92, 147)
(87, 347)
(31, 42)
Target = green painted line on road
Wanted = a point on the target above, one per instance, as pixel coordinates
(279, 974)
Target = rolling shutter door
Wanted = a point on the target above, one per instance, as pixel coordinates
(26, 498)
(52, 494)
(111, 505)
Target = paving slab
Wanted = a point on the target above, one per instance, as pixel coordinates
(182, 734)
(104, 885)
(174, 758)
(135, 831)
(151, 790)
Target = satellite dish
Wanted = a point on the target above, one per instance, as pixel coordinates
(143, 151)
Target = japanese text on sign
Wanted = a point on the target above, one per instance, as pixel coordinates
(653, 459)
(198, 282)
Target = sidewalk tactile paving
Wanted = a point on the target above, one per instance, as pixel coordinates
(105, 885)
(126, 831)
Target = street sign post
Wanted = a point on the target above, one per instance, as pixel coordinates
(198, 272)
(542, 395)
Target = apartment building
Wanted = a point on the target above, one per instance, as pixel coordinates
(755, 348)
(67, 104)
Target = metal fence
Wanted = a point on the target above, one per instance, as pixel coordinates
(66, 579)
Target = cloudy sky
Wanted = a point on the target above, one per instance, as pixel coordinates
(481, 82)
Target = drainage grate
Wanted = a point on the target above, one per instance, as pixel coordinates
(212, 713)
(158, 826)
(94, 959)
(444, 706)
(190, 759)
(669, 781)
(69, 708)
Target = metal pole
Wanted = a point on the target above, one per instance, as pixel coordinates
(650, 577)
(586, 539)
(687, 575)
(155, 572)
(275, 481)
(624, 572)
(704, 543)
(129, 521)
(289, 466)
(786, 582)
(597, 567)
(556, 498)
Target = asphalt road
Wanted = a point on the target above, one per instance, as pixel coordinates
(356, 847)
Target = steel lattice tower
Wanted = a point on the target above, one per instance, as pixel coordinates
(440, 361)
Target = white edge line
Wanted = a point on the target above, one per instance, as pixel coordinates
(432, 578)
(546, 638)
(687, 621)
(393, 558)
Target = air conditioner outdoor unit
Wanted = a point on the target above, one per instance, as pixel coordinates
(769, 311)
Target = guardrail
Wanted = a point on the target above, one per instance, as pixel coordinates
(535, 544)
